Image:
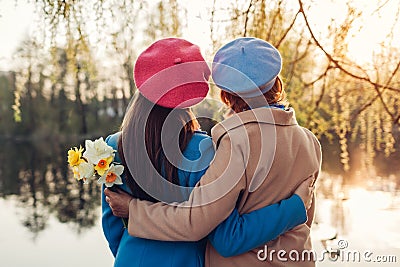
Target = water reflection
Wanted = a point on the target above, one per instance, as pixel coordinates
(332, 189)
(36, 173)
(364, 214)
(35, 179)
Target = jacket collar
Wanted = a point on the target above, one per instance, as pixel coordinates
(261, 115)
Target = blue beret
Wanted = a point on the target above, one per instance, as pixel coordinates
(247, 67)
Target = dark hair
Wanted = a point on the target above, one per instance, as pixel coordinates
(147, 121)
(276, 95)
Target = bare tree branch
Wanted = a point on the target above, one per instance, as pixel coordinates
(247, 12)
(380, 7)
(287, 30)
(365, 106)
(273, 20)
(336, 63)
(323, 75)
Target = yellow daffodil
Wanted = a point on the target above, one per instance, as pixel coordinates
(75, 156)
(103, 165)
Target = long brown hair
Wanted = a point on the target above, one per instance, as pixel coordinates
(147, 120)
(276, 95)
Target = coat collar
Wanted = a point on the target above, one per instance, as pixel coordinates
(261, 115)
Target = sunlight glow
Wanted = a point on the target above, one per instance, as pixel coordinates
(369, 31)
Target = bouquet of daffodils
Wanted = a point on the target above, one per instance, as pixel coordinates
(96, 162)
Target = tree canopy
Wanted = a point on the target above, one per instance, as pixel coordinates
(82, 54)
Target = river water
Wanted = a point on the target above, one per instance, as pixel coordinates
(48, 219)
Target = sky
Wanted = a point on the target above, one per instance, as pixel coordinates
(369, 30)
(16, 21)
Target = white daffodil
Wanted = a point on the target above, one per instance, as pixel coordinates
(112, 176)
(84, 171)
(97, 150)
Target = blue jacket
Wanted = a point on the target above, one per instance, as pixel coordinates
(236, 235)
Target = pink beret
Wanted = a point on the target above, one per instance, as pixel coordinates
(172, 73)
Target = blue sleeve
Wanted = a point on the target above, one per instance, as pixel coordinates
(241, 233)
(197, 157)
(113, 227)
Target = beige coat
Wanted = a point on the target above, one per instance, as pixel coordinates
(262, 156)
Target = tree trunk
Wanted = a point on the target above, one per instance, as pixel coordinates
(80, 105)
